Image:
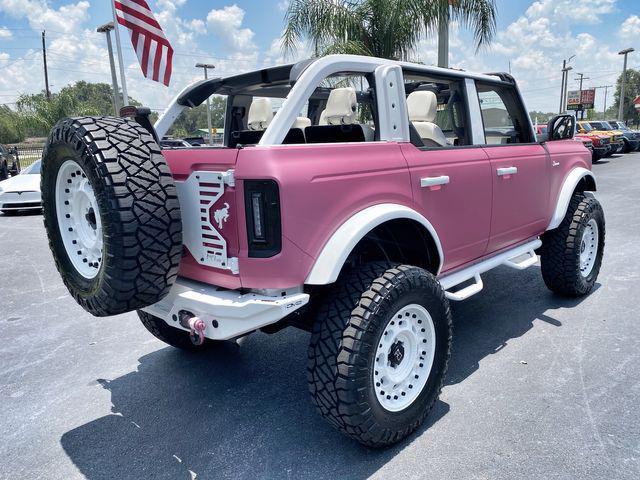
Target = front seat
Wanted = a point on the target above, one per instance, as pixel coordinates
(258, 119)
(338, 121)
(260, 114)
(422, 106)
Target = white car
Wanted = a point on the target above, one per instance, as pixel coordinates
(21, 192)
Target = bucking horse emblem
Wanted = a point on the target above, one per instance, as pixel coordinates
(221, 216)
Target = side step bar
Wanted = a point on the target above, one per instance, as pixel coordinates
(473, 272)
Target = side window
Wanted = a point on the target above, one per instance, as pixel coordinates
(504, 120)
(437, 111)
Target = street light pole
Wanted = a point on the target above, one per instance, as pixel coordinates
(563, 84)
(624, 52)
(106, 29)
(606, 89)
(206, 67)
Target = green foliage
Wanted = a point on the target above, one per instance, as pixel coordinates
(35, 115)
(631, 91)
(542, 117)
(192, 119)
(11, 130)
(380, 28)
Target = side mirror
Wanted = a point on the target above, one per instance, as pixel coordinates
(561, 127)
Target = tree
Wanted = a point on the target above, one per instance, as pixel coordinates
(38, 114)
(193, 119)
(631, 91)
(11, 130)
(380, 28)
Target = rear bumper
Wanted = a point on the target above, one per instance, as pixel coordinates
(235, 313)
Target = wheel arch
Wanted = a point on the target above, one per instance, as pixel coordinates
(577, 180)
(378, 223)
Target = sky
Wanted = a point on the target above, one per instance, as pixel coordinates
(533, 37)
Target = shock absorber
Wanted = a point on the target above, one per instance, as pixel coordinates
(195, 325)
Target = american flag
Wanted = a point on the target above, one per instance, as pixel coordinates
(149, 42)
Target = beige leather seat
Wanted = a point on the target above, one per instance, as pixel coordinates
(260, 114)
(342, 106)
(302, 123)
(422, 108)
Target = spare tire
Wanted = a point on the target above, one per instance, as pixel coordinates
(111, 212)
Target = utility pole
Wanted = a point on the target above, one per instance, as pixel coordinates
(624, 52)
(606, 89)
(44, 59)
(582, 77)
(106, 29)
(206, 67)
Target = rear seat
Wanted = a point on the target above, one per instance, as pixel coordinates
(337, 121)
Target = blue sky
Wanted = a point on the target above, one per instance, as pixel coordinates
(242, 35)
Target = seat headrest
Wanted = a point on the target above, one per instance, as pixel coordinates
(302, 122)
(260, 114)
(422, 106)
(341, 106)
(323, 118)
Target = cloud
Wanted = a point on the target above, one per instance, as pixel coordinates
(226, 24)
(571, 11)
(630, 29)
(5, 33)
(67, 18)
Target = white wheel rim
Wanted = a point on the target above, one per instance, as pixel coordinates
(79, 219)
(404, 357)
(589, 248)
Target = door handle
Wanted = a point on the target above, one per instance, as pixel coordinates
(507, 171)
(434, 181)
(555, 164)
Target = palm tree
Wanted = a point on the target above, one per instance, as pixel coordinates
(381, 28)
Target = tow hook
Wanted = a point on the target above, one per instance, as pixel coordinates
(195, 325)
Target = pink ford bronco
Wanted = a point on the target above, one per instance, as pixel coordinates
(353, 197)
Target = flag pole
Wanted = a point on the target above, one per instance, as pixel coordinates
(125, 96)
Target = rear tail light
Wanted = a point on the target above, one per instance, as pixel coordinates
(264, 229)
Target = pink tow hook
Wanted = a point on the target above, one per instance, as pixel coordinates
(197, 326)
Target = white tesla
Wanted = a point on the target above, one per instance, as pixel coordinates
(21, 192)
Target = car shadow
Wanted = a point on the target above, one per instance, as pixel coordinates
(245, 413)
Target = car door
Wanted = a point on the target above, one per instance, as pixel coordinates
(520, 167)
(452, 189)
(451, 184)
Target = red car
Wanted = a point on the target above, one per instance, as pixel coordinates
(377, 194)
(599, 145)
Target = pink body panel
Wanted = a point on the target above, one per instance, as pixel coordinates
(520, 201)
(322, 186)
(461, 210)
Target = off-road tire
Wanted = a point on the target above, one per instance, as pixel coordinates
(173, 336)
(560, 252)
(347, 329)
(138, 207)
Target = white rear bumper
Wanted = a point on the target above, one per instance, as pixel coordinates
(227, 313)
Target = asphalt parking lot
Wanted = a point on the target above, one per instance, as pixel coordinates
(538, 386)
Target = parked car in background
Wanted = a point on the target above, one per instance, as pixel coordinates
(615, 139)
(597, 151)
(21, 192)
(174, 143)
(8, 162)
(633, 135)
(629, 142)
